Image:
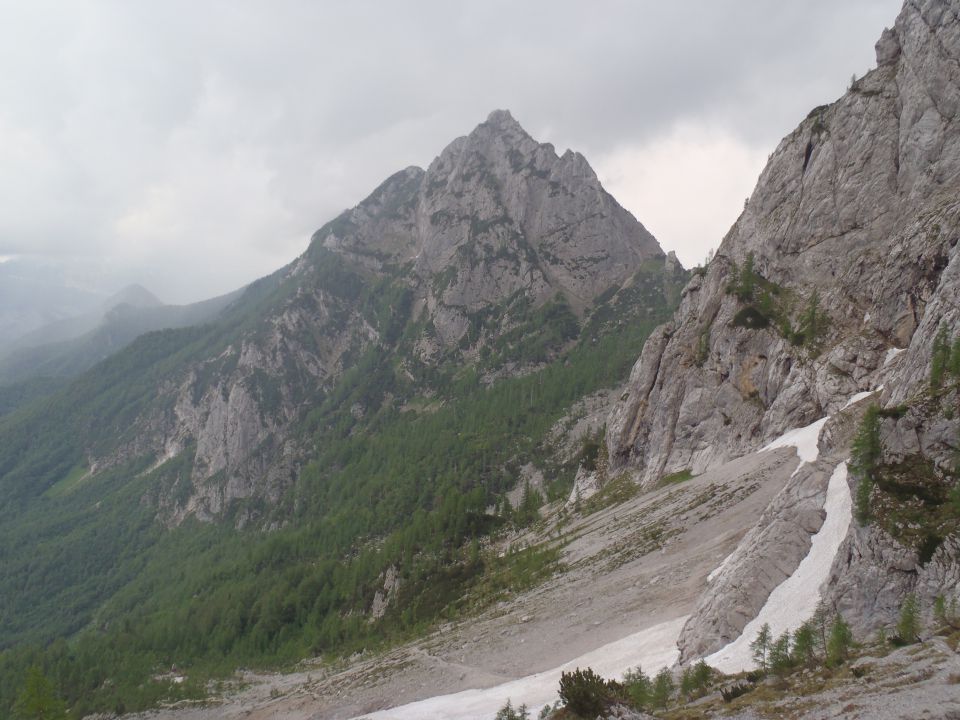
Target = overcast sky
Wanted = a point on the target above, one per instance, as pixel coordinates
(194, 146)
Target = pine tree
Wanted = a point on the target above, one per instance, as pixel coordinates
(686, 682)
(748, 280)
(780, 659)
(866, 454)
(760, 647)
(507, 712)
(908, 627)
(821, 623)
(804, 644)
(639, 688)
(603, 460)
(839, 642)
(811, 324)
(38, 700)
(945, 612)
(955, 359)
(663, 688)
(701, 676)
(940, 359)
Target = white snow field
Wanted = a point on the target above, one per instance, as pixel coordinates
(860, 396)
(794, 600)
(651, 649)
(805, 440)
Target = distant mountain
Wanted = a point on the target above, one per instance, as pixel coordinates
(33, 295)
(68, 328)
(68, 347)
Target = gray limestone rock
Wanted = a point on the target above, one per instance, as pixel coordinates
(859, 205)
(766, 556)
(497, 224)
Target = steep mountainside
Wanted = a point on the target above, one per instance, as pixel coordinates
(493, 254)
(370, 406)
(841, 276)
(850, 244)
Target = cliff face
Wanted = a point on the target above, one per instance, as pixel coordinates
(851, 233)
(838, 277)
(438, 268)
(497, 213)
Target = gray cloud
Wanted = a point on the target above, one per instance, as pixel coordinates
(195, 146)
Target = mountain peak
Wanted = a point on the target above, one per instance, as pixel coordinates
(502, 129)
(501, 118)
(134, 295)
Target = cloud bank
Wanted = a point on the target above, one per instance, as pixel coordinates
(195, 146)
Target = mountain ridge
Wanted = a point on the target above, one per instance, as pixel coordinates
(452, 250)
(349, 417)
(847, 209)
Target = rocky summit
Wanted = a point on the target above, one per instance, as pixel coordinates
(456, 257)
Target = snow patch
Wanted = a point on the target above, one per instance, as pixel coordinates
(860, 396)
(795, 599)
(805, 440)
(857, 398)
(652, 649)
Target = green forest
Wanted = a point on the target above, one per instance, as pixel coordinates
(104, 600)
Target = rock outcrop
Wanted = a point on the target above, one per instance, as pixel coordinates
(496, 213)
(836, 279)
(855, 217)
(435, 267)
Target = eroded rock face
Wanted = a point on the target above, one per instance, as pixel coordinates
(859, 205)
(495, 214)
(497, 225)
(767, 556)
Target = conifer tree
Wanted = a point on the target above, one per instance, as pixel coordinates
(639, 687)
(748, 279)
(760, 647)
(865, 460)
(603, 460)
(804, 644)
(811, 324)
(940, 359)
(686, 682)
(821, 623)
(955, 359)
(37, 699)
(780, 658)
(701, 676)
(908, 627)
(839, 642)
(663, 688)
(945, 611)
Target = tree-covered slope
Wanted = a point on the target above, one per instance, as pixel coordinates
(236, 492)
